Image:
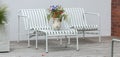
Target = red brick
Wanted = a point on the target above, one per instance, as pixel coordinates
(114, 0)
(115, 15)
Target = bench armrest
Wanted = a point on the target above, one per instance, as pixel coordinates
(98, 15)
(92, 13)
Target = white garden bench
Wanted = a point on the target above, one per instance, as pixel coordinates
(77, 17)
(36, 20)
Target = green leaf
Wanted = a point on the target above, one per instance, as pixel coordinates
(3, 14)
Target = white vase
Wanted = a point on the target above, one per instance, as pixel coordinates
(4, 41)
(56, 24)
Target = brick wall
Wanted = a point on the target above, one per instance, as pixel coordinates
(115, 18)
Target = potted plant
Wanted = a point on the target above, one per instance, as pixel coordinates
(4, 42)
(56, 12)
(2, 19)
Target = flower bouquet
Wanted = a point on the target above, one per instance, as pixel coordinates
(57, 14)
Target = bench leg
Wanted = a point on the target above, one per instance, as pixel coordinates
(61, 41)
(83, 34)
(112, 46)
(99, 36)
(77, 43)
(68, 40)
(18, 29)
(46, 44)
(28, 41)
(36, 40)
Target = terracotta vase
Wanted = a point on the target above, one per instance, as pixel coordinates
(56, 24)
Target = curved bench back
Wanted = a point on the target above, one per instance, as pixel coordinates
(76, 16)
(34, 18)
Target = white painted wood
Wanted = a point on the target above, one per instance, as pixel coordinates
(78, 21)
(36, 20)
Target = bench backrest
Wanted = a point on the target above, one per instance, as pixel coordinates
(38, 17)
(76, 16)
(34, 18)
